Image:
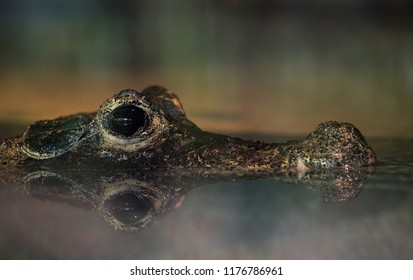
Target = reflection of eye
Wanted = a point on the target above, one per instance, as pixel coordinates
(128, 207)
(127, 120)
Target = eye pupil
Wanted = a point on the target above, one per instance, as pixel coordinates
(129, 207)
(126, 120)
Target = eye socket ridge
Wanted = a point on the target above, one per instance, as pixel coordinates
(127, 120)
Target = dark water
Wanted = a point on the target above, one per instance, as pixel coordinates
(62, 216)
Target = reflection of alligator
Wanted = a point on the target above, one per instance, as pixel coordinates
(151, 155)
(130, 200)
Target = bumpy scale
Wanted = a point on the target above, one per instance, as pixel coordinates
(150, 131)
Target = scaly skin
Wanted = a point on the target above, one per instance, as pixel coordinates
(167, 140)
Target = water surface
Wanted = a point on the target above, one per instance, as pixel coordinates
(59, 217)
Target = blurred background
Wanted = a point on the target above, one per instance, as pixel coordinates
(265, 67)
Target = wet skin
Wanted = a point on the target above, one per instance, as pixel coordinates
(149, 131)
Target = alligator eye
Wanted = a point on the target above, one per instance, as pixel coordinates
(129, 122)
(126, 120)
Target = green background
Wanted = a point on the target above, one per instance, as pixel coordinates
(273, 67)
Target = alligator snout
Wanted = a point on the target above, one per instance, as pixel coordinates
(335, 144)
(331, 145)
